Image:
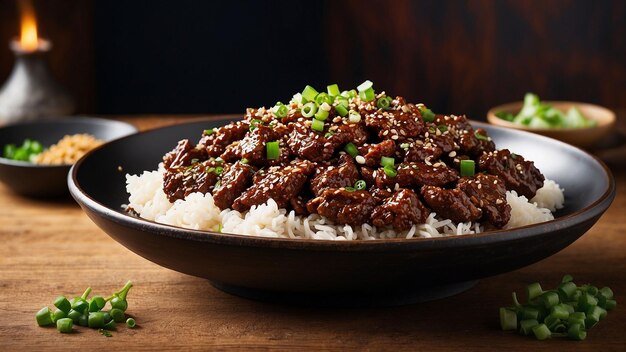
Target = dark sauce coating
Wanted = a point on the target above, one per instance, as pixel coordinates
(518, 174)
(401, 210)
(314, 175)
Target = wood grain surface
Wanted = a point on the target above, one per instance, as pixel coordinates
(50, 247)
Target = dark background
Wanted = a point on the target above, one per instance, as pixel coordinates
(121, 57)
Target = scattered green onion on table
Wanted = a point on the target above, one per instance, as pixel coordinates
(88, 312)
(567, 311)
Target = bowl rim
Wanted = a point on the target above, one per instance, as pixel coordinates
(491, 117)
(596, 208)
(82, 119)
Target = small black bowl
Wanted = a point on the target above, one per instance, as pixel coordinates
(35, 180)
(379, 272)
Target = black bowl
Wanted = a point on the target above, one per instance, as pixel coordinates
(34, 180)
(383, 272)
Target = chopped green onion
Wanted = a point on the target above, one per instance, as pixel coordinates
(390, 171)
(44, 317)
(534, 290)
(309, 109)
(254, 123)
(480, 137)
(527, 325)
(442, 128)
(352, 93)
(321, 115)
(559, 311)
(317, 125)
(587, 301)
(354, 117)
(529, 313)
(427, 114)
(365, 86)
(272, 150)
(64, 325)
(351, 149)
(349, 189)
(405, 145)
(63, 304)
(508, 319)
(606, 292)
(580, 309)
(467, 167)
(550, 299)
(130, 322)
(576, 332)
(280, 110)
(333, 90)
(541, 331)
(309, 93)
(383, 102)
(387, 161)
(219, 170)
(341, 110)
(367, 95)
(360, 185)
(567, 289)
(323, 98)
(209, 131)
(610, 304)
(566, 278)
(244, 161)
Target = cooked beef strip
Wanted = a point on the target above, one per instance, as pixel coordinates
(178, 182)
(233, 182)
(344, 174)
(488, 193)
(298, 204)
(374, 152)
(415, 174)
(451, 204)
(308, 144)
(216, 142)
(183, 155)
(279, 183)
(343, 207)
(402, 210)
(518, 174)
(393, 124)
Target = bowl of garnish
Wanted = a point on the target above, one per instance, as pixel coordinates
(35, 157)
(579, 124)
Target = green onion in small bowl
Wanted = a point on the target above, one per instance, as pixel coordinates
(580, 124)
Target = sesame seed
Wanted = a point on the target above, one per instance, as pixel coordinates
(360, 159)
(452, 154)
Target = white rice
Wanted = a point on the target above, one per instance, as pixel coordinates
(198, 212)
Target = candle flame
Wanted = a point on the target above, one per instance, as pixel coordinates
(28, 36)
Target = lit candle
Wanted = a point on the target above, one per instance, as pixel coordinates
(29, 40)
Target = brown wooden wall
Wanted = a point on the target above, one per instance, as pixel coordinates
(470, 55)
(456, 56)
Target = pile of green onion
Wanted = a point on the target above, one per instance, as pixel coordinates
(88, 312)
(26, 152)
(567, 311)
(537, 114)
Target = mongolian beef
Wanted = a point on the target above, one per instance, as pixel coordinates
(352, 158)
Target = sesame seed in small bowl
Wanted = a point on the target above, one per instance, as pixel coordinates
(580, 124)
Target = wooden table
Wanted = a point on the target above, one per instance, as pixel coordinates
(50, 247)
